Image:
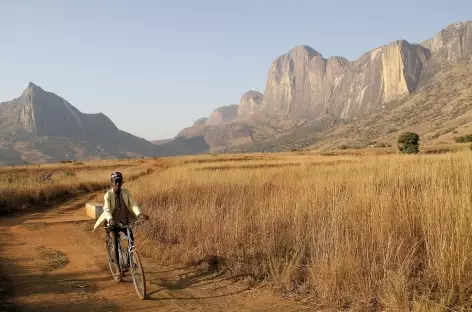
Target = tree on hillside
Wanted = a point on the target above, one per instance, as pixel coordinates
(408, 143)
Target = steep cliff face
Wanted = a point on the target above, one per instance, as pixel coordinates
(18, 116)
(303, 84)
(250, 103)
(27, 120)
(42, 113)
(454, 43)
(380, 76)
(223, 114)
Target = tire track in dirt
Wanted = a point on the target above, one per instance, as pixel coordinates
(84, 282)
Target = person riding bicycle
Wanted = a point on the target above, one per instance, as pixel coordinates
(119, 208)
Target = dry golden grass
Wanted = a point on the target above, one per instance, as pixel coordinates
(424, 149)
(26, 186)
(366, 233)
(347, 232)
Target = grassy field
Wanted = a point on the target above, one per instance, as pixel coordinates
(386, 232)
(344, 232)
(26, 186)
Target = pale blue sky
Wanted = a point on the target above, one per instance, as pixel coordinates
(156, 66)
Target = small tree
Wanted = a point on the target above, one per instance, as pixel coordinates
(408, 143)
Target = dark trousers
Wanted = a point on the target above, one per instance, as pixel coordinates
(114, 235)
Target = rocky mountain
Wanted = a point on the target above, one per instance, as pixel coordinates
(219, 128)
(309, 101)
(200, 121)
(438, 111)
(250, 104)
(40, 126)
(40, 113)
(453, 43)
(160, 142)
(305, 92)
(223, 114)
(303, 84)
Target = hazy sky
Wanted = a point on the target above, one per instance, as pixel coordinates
(156, 66)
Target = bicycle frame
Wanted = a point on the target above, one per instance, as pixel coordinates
(129, 249)
(130, 243)
(133, 261)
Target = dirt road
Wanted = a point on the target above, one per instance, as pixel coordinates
(55, 263)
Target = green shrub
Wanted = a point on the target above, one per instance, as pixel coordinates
(464, 139)
(408, 143)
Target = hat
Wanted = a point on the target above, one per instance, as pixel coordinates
(116, 176)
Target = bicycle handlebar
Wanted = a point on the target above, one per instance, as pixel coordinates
(125, 226)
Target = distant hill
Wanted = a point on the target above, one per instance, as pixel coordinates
(40, 126)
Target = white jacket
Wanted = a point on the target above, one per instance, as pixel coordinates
(109, 206)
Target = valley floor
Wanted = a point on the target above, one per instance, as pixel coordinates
(74, 276)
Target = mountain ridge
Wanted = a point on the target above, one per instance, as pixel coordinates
(308, 102)
(40, 126)
(304, 86)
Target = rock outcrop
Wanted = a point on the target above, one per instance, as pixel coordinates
(454, 43)
(223, 114)
(250, 103)
(303, 84)
(41, 113)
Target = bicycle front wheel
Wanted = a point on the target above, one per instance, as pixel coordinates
(114, 267)
(137, 273)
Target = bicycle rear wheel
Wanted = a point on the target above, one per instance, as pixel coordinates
(137, 274)
(114, 267)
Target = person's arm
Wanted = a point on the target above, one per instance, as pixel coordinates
(133, 205)
(107, 207)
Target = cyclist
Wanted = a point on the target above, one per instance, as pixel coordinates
(119, 208)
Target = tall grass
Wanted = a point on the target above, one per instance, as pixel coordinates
(23, 187)
(364, 233)
(380, 233)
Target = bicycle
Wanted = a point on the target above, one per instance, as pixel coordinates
(118, 270)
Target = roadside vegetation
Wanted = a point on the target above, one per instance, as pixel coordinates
(358, 232)
(372, 233)
(24, 187)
